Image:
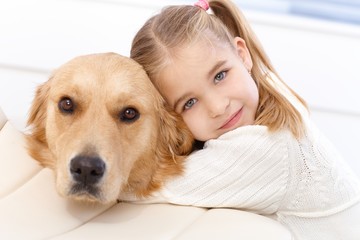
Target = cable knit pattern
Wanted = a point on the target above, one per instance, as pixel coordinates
(321, 184)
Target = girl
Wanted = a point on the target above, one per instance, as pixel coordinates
(261, 152)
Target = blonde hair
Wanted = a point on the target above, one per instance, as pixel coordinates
(174, 26)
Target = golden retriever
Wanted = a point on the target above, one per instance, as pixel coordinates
(103, 128)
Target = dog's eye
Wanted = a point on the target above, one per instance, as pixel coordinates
(129, 115)
(66, 105)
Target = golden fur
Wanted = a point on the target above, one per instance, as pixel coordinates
(104, 107)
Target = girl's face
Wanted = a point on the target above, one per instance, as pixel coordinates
(210, 86)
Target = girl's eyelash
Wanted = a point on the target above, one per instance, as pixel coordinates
(222, 74)
(193, 100)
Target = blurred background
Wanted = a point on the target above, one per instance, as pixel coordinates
(347, 11)
(314, 44)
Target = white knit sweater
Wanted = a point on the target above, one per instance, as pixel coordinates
(304, 184)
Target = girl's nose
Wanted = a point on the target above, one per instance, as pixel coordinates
(217, 105)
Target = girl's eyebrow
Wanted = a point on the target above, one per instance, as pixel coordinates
(215, 68)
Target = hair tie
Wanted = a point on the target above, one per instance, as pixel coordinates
(202, 4)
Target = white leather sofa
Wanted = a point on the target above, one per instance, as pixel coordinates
(30, 208)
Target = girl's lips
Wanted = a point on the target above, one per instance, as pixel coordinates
(232, 120)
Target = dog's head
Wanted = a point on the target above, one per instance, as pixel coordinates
(103, 128)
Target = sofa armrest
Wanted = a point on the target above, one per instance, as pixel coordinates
(3, 119)
(17, 167)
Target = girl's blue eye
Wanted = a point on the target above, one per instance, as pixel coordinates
(190, 103)
(220, 76)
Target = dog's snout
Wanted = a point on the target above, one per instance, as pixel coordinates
(87, 170)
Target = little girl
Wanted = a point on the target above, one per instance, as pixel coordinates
(260, 150)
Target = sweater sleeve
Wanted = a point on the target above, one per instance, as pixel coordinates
(246, 168)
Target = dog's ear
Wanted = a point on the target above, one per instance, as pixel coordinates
(172, 146)
(176, 136)
(36, 140)
(181, 140)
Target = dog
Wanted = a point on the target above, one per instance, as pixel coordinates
(103, 128)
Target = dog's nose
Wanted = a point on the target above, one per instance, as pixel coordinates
(87, 170)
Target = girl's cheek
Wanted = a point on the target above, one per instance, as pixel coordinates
(190, 121)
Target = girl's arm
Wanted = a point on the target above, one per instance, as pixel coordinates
(247, 168)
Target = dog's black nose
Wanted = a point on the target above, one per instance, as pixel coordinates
(87, 170)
